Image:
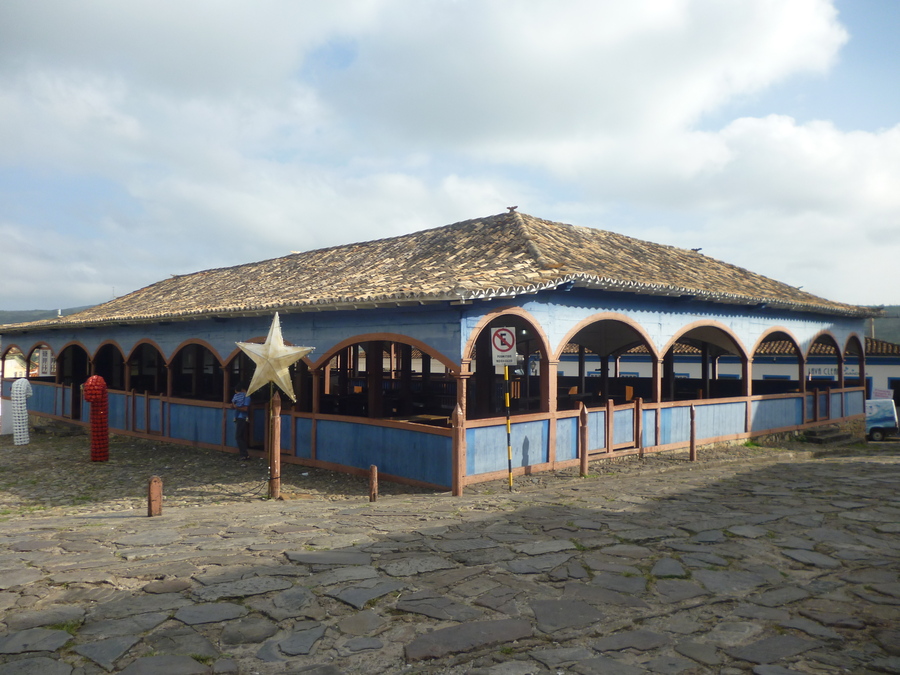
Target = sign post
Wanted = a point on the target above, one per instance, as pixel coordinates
(503, 351)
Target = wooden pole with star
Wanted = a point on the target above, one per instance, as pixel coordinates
(273, 360)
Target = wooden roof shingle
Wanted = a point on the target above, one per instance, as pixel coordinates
(501, 255)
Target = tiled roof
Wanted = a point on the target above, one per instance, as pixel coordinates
(498, 256)
(875, 347)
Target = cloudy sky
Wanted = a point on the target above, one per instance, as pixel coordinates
(147, 138)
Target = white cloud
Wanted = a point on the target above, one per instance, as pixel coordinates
(243, 131)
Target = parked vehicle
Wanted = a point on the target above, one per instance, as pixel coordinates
(881, 419)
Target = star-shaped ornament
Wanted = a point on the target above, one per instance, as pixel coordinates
(273, 358)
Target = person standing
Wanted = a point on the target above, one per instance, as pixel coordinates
(241, 404)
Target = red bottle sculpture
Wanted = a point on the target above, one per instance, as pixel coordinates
(95, 393)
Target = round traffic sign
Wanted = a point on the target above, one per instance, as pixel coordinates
(503, 339)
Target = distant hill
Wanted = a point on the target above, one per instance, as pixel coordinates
(888, 328)
(25, 315)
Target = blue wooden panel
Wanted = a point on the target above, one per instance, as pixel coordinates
(6, 388)
(140, 413)
(854, 403)
(64, 401)
(286, 440)
(834, 405)
(720, 419)
(412, 454)
(567, 439)
(486, 448)
(303, 427)
(230, 439)
(596, 424)
(776, 413)
(42, 398)
(117, 406)
(675, 425)
(649, 428)
(196, 423)
(258, 424)
(623, 426)
(823, 405)
(810, 406)
(155, 423)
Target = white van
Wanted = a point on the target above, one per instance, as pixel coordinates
(881, 419)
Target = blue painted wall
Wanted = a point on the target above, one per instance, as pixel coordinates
(567, 439)
(195, 423)
(720, 419)
(303, 427)
(649, 427)
(776, 413)
(117, 411)
(596, 424)
(623, 426)
(675, 425)
(42, 398)
(419, 456)
(486, 447)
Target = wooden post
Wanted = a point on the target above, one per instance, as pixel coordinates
(154, 497)
(373, 483)
(693, 434)
(610, 413)
(583, 438)
(639, 425)
(275, 447)
(459, 445)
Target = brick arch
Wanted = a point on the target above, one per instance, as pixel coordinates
(684, 330)
(501, 312)
(195, 341)
(146, 341)
(70, 343)
(608, 316)
(110, 343)
(778, 329)
(384, 337)
(829, 336)
(115, 377)
(6, 352)
(15, 345)
(859, 342)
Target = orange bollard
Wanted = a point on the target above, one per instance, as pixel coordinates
(154, 497)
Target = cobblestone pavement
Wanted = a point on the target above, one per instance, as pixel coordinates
(769, 565)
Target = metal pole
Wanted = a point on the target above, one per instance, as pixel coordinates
(508, 427)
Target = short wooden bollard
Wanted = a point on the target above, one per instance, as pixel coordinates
(154, 497)
(373, 483)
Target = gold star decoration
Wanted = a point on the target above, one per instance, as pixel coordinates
(273, 358)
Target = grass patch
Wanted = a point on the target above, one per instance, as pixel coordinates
(70, 627)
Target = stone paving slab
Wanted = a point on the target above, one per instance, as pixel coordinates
(771, 568)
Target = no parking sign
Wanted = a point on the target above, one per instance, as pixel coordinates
(503, 346)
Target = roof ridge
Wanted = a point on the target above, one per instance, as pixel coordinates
(531, 246)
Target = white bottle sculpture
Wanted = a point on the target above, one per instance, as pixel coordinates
(21, 390)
